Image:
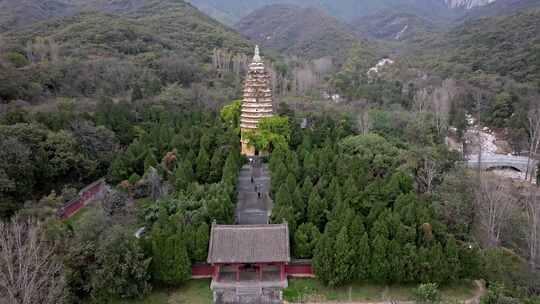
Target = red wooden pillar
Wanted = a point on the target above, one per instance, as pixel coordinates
(282, 271)
(216, 272)
(237, 272)
(260, 271)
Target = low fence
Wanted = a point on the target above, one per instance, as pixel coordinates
(201, 271)
(300, 269)
(94, 191)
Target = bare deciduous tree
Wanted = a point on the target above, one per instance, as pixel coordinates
(495, 205)
(532, 213)
(364, 123)
(534, 139)
(29, 271)
(427, 173)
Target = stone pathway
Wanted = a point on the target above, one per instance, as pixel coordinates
(254, 203)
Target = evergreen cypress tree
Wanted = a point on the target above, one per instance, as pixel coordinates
(279, 176)
(202, 166)
(216, 166)
(230, 170)
(453, 268)
(323, 260)
(202, 237)
(305, 241)
(362, 260)
(316, 210)
(170, 263)
(310, 166)
(409, 264)
(343, 258)
(291, 182)
(307, 189)
(299, 205)
(379, 266)
(183, 175)
(283, 197)
(394, 261)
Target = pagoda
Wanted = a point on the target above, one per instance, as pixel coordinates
(257, 102)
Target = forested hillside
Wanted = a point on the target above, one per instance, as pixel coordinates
(96, 52)
(306, 32)
(508, 46)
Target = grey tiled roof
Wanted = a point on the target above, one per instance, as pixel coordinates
(249, 244)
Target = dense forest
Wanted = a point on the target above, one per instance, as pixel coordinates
(363, 170)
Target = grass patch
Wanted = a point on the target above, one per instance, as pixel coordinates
(312, 290)
(74, 220)
(193, 292)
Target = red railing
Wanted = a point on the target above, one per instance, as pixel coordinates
(86, 195)
(297, 269)
(201, 271)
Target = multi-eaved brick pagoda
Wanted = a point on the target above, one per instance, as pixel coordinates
(257, 102)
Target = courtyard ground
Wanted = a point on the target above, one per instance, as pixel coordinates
(310, 290)
(193, 292)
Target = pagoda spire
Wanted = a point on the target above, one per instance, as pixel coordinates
(257, 56)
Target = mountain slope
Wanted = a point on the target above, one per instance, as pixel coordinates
(137, 26)
(293, 30)
(20, 13)
(508, 46)
(392, 25)
(502, 8)
(345, 10)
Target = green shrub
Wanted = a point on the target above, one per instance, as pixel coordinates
(17, 59)
(427, 293)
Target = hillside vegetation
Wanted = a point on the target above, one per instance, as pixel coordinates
(508, 46)
(158, 43)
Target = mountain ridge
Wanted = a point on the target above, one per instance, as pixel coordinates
(294, 30)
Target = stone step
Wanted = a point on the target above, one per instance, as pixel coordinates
(249, 291)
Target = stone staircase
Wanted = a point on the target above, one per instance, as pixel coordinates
(248, 291)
